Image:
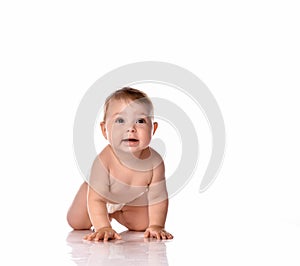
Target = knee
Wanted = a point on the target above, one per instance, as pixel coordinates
(137, 224)
(76, 224)
(138, 228)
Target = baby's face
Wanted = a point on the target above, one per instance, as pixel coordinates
(128, 127)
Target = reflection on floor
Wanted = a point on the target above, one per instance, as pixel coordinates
(133, 249)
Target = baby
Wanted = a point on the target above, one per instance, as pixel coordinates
(127, 179)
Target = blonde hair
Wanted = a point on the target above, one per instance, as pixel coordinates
(128, 94)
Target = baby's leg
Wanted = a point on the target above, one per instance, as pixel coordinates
(78, 217)
(133, 217)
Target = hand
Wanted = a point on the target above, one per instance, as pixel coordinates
(157, 232)
(104, 233)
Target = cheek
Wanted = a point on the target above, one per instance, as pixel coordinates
(114, 131)
(113, 134)
(147, 134)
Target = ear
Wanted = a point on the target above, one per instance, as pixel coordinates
(103, 129)
(155, 125)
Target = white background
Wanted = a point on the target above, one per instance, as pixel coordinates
(246, 52)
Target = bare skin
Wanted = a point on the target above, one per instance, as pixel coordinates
(124, 165)
(134, 218)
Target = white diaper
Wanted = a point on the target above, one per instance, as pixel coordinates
(111, 207)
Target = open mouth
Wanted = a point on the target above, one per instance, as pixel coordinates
(130, 140)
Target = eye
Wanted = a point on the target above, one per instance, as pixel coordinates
(119, 120)
(141, 121)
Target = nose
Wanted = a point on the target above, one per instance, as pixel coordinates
(131, 128)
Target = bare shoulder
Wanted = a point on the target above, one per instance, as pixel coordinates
(157, 160)
(105, 155)
(155, 156)
(101, 163)
(98, 177)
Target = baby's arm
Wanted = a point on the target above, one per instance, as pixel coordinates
(99, 218)
(158, 205)
(97, 204)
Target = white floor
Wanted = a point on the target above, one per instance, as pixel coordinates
(225, 241)
(235, 222)
(133, 249)
(213, 228)
(224, 225)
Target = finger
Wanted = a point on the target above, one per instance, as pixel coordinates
(98, 236)
(117, 236)
(169, 236)
(157, 235)
(90, 236)
(147, 234)
(105, 236)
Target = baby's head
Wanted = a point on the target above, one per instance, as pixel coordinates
(128, 95)
(128, 120)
